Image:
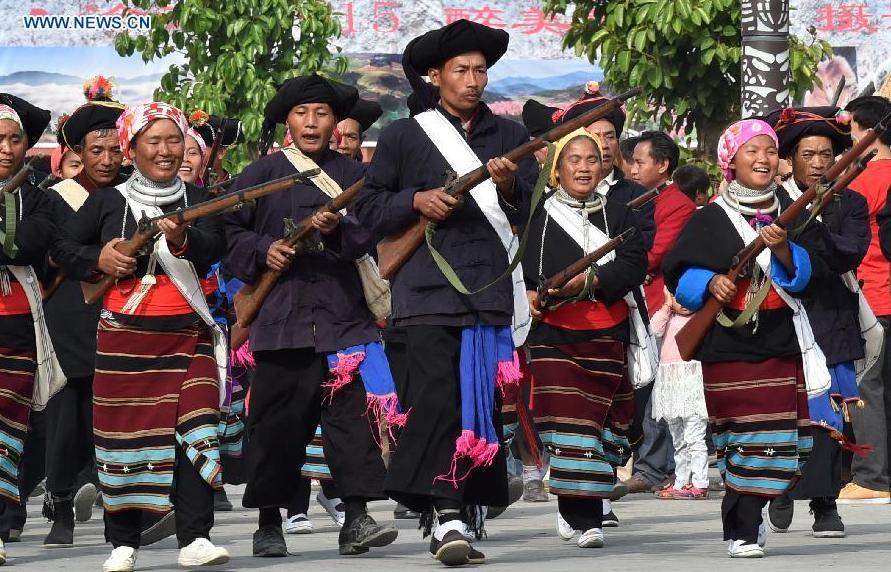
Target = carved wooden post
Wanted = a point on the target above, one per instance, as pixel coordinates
(765, 56)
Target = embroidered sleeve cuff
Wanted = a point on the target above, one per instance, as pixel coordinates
(181, 250)
(692, 288)
(802, 262)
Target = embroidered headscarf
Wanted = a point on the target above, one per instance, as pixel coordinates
(137, 118)
(558, 148)
(738, 135)
(198, 139)
(6, 112)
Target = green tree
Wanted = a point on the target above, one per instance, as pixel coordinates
(684, 54)
(237, 52)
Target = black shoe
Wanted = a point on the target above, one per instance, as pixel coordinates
(61, 535)
(475, 556)
(453, 550)
(827, 522)
(610, 520)
(159, 527)
(779, 513)
(363, 533)
(402, 512)
(269, 542)
(533, 491)
(221, 502)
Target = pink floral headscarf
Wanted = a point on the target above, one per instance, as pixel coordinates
(137, 118)
(7, 112)
(738, 135)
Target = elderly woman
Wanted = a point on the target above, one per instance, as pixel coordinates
(157, 382)
(27, 363)
(578, 346)
(752, 359)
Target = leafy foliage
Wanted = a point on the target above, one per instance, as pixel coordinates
(685, 54)
(237, 53)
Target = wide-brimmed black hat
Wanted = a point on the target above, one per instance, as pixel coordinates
(34, 119)
(89, 117)
(366, 112)
(794, 123)
(436, 47)
(311, 88)
(538, 117)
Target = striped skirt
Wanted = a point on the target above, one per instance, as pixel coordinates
(574, 389)
(759, 418)
(17, 368)
(315, 466)
(153, 391)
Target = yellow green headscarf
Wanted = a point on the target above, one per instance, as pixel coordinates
(557, 148)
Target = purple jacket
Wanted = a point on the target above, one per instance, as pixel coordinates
(318, 302)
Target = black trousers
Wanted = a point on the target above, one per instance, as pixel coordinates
(300, 503)
(70, 454)
(821, 475)
(581, 513)
(426, 445)
(286, 406)
(741, 515)
(192, 499)
(31, 472)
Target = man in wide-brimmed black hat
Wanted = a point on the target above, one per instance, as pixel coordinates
(432, 469)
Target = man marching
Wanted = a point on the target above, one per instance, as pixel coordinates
(457, 344)
(315, 325)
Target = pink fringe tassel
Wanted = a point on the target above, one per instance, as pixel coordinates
(476, 449)
(343, 373)
(242, 357)
(508, 374)
(384, 407)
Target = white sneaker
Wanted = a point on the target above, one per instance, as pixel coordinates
(565, 531)
(762, 535)
(298, 524)
(334, 507)
(122, 559)
(739, 549)
(2, 553)
(202, 552)
(591, 538)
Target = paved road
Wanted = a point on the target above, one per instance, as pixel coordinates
(668, 536)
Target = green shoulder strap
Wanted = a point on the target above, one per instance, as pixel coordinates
(8, 237)
(447, 269)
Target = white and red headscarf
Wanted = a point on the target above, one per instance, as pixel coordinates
(137, 118)
(7, 112)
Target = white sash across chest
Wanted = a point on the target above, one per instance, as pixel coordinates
(643, 358)
(183, 275)
(816, 373)
(461, 158)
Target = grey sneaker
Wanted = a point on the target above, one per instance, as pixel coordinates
(533, 491)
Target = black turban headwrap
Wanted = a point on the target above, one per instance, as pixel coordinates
(794, 123)
(34, 119)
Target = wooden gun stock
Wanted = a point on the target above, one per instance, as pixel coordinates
(250, 298)
(689, 338)
(394, 251)
(147, 228)
(16, 181)
(561, 278)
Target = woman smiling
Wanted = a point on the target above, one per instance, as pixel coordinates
(578, 347)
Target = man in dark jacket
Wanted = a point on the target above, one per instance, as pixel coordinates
(91, 132)
(313, 314)
(810, 139)
(404, 181)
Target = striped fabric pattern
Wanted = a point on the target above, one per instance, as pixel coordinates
(17, 368)
(153, 391)
(616, 444)
(574, 389)
(315, 466)
(231, 427)
(759, 417)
